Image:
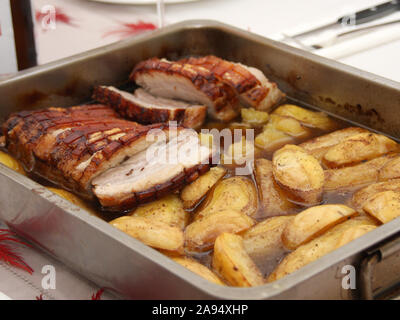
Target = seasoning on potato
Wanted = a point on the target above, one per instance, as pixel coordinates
(360, 197)
(200, 235)
(169, 210)
(316, 248)
(233, 264)
(199, 269)
(235, 193)
(384, 206)
(309, 118)
(154, 233)
(391, 170)
(263, 242)
(354, 149)
(312, 222)
(318, 146)
(273, 199)
(194, 192)
(298, 173)
(348, 177)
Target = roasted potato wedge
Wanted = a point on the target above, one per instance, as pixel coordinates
(384, 206)
(239, 153)
(154, 233)
(254, 117)
(290, 126)
(235, 193)
(169, 210)
(313, 222)
(194, 192)
(271, 139)
(200, 235)
(12, 163)
(233, 264)
(199, 269)
(309, 118)
(391, 169)
(298, 173)
(318, 146)
(353, 233)
(316, 248)
(361, 196)
(349, 177)
(206, 139)
(273, 199)
(263, 242)
(353, 150)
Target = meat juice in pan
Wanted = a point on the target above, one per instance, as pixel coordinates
(268, 263)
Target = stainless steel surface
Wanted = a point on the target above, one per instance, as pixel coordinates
(115, 260)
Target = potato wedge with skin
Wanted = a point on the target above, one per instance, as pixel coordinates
(309, 118)
(349, 177)
(384, 206)
(316, 248)
(254, 117)
(199, 269)
(194, 192)
(235, 193)
(313, 222)
(154, 233)
(200, 235)
(239, 153)
(12, 163)
(169, 210)
(353, 150)
(233, 264)
(391, 170)
(318, 146)
(273, 199)
(271, 139)
(263, 242)
(290, 126)
(298, 173)
(353, 233)
(361, 196)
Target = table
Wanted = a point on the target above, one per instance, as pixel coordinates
(84, 25)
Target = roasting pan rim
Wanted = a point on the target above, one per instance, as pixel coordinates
(267, 290)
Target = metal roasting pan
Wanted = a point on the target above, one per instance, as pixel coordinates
(115, 260)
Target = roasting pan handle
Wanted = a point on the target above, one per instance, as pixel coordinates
(380, 271)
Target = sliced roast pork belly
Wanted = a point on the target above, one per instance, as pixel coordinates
(145, 108)
(163, 167)
(187, 82)
(71, 147)
(251, 85)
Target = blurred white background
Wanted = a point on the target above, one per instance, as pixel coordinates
(92, 24)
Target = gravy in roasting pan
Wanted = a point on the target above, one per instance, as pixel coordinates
(198, 218)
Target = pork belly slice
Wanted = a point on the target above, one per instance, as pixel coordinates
(187, 82)
(145, 108)
(152, 173)
(72, 146)
(251, 85)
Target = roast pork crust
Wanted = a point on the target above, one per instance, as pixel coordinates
(251, 85)
(189, 83)
(144, 108)
(71, 146)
